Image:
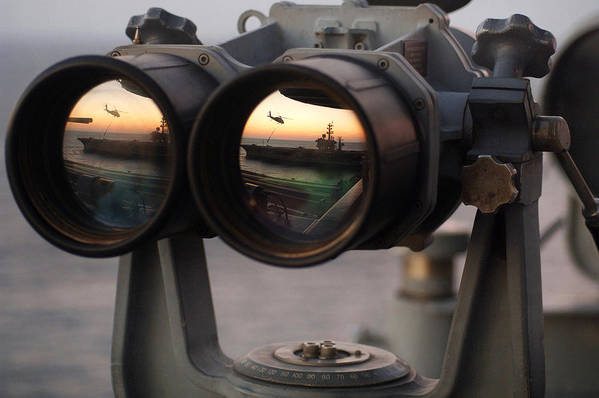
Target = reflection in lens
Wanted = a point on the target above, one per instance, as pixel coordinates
(303, 165)
(116, 154)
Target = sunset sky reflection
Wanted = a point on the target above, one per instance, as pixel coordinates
(138, 114)
(306, 121)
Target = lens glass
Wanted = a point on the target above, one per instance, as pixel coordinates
(116, 154)
(303, 163)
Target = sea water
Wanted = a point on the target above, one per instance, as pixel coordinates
(134, 195)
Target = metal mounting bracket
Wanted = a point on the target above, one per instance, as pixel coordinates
(165, 342)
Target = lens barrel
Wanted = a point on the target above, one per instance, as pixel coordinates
(87, 165)
(259, 208)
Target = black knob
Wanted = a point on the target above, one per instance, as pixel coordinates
(157, 26)
(513, 47)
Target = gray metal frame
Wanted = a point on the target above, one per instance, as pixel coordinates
(297, 28)
(165, 341)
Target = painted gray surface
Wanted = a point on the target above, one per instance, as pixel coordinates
(56, 309)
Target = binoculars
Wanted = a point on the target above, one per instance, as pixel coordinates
(326, 129)
(291, 161)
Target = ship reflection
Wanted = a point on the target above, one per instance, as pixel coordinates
(307, 187)
(115, 161)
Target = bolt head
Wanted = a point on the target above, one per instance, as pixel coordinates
(310, 350)
(360, 46)
(382, 63)
(328, 351)
(204, 59)
(419, 104)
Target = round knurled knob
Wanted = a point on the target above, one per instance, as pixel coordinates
(157, 26)
(488, 184)
(513, 47)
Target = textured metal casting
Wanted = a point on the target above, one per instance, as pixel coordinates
(488, 184)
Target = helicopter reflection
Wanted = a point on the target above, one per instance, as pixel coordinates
(114, 112)
(279, 119)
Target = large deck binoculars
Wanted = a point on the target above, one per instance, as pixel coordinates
(326, 129)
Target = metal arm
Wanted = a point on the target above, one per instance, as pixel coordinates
(551, 134)
(589, 201)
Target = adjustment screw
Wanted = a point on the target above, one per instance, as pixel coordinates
(287, 58)
(115, 54)
(488, 184)
(137, 38)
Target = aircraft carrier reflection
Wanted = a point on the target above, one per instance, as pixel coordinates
(115, 161)
(301, 189)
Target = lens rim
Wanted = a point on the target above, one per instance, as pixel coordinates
(264, 237)
(228, 216)
(68, 81)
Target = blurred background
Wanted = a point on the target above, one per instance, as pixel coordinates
(56, 309)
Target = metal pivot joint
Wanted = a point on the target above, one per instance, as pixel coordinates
(504, 178)
(503, 112)
(338, 365)
(514, 48)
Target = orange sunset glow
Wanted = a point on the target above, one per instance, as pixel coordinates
(302, 121)
(137, 114)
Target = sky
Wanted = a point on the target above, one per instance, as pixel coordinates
(83, 24)
(304, 121)
(216, 21)
(137, 114)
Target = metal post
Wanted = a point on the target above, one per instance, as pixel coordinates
(164, 340)
(495, 347)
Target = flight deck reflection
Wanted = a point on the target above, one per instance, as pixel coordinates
(303, 163)
(116, 154)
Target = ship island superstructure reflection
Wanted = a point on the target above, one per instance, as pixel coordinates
(116, 154)
(303, 172)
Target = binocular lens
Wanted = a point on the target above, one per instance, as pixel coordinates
(116, 154)
(95, 151)
(303, 161)
(291, 163)
(317, 156)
